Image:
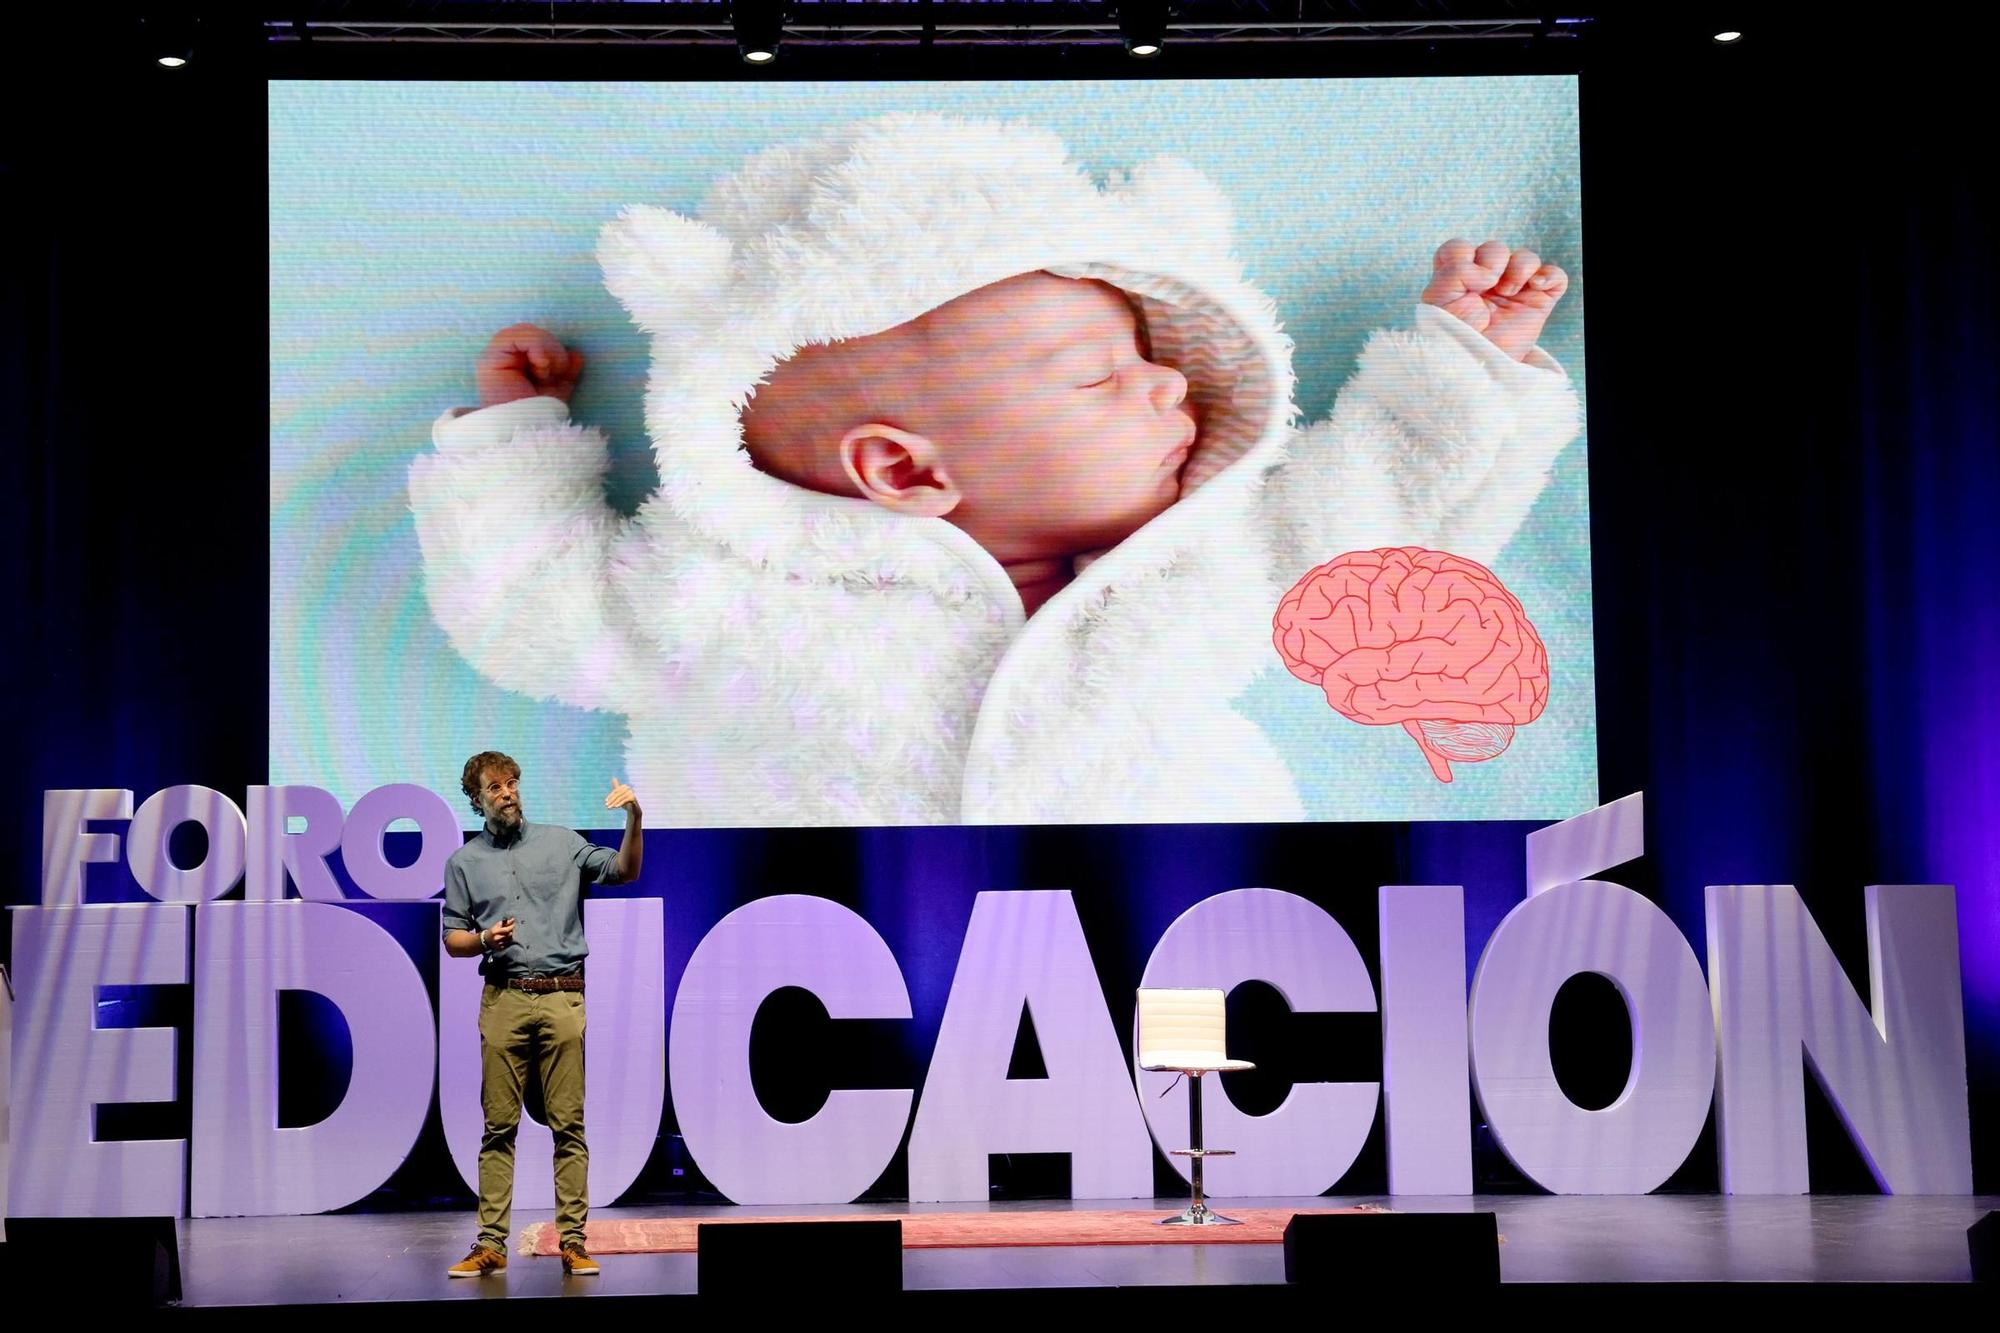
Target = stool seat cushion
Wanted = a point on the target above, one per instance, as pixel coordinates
(1192, 1062)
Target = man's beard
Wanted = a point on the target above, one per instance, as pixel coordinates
(507, 820)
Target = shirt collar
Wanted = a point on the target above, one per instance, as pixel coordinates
(486, 832)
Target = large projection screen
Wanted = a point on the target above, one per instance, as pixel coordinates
(1015, 300)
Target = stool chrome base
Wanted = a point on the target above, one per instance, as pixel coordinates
(1197, 1215)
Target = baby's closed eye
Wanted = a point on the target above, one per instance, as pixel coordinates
(1084, 367)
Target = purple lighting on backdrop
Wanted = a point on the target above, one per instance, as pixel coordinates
(1930, 416)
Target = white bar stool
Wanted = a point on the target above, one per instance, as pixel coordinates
(1181, 1032)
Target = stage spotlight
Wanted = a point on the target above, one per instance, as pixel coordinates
(1143, 25)
(170, 38)
(759, 24)
(1725, 38)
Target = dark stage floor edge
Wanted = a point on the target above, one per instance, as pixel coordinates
(1657, 1255)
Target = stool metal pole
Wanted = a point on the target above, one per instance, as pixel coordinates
(1197, 1213)
(1199, 1209)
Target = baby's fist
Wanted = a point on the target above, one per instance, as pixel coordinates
(524, 361)
(1506, 294)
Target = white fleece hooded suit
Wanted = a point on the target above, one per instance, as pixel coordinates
(787, 657)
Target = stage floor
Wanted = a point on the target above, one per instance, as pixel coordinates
(1654, 1239)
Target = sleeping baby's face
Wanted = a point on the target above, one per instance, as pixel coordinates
(1026, 412)
(1061, 434)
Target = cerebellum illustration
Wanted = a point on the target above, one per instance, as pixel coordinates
(1423, 639)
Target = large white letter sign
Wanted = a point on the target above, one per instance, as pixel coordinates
(361, 842)
(1587, 844)
(1426, 1095)
(1896, 1077)
(61, 956)
(1308, 1143)
(65, 846)
(245, 953)
(787, 940)
(165, 811)
(1632, 1145)
(624, 1083)
(1027, 948)
(6, 1100)
(275, 849)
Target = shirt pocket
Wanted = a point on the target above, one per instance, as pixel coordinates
(550, 872)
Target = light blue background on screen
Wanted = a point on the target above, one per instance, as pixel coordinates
(410, 221)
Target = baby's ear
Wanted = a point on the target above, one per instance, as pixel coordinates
(898, 470)
(662, 267)
(1181, 199)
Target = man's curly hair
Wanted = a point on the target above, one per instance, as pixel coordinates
(475, 769)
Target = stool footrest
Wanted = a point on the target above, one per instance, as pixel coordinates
(1201, 1152)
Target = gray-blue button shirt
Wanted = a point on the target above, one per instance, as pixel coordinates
(538, 880)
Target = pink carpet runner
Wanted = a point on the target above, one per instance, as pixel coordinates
(937, 1231)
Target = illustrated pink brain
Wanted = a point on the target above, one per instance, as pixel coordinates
(1423, 638)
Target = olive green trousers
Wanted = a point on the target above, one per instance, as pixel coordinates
(536, 1036)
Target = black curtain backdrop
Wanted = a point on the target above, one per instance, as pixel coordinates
(1794, 467)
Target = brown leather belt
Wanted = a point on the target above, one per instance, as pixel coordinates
(541, 985)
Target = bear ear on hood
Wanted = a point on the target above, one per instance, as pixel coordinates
(1178, 196)
(667, 270)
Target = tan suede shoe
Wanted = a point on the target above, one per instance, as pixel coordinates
(577, 1262)
(484, 1259)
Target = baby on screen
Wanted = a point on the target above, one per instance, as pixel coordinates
(976, 496)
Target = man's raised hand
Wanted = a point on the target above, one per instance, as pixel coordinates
(621, 797)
